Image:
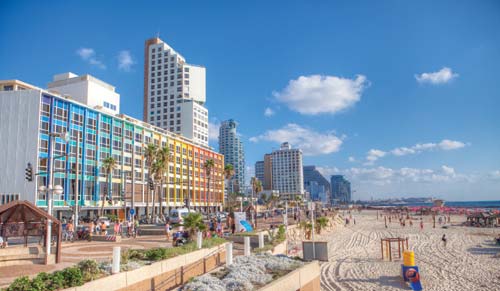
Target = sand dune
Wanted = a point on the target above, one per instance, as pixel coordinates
(469, 261)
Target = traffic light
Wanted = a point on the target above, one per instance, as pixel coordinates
(151, 185)
(29, 173)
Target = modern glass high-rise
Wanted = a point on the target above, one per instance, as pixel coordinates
(174, 92)
(259, 170)
(312, 175)
(231, 147)
(341, 189)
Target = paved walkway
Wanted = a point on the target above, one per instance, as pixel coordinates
(75, 252)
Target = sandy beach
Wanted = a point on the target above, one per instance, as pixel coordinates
(469, 261)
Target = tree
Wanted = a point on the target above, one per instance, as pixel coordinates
(193, 222)
(228, 174)
(109, 164)
(208, 166)
(149, 155)
(321, 223)
(163, 157)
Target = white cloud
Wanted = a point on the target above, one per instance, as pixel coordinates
(213, 130)
(448, 170)
(374, 155)
(268, 112)
(316, 94)
(445, 145)
(89, 55)
(309, 141)
(351, 159)
(495, 174)
(85, 53)
(125, 61)
(385, 176)
(440, 77)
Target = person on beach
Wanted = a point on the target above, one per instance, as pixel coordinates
(421, 225)
(443, 239)
(167, 231)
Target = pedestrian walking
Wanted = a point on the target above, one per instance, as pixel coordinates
(167, 231)
(444, 240)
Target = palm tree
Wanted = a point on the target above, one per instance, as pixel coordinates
(164, 157)
(109, 164)
(228, 174)
(193, 222)
(149, 155)
(208, 166)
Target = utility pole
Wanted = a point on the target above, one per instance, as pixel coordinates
(77, 179)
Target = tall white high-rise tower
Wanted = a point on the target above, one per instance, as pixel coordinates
(174, 92)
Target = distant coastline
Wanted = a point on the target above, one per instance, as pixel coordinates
(495, 204)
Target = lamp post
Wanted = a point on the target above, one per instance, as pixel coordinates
(51, 189)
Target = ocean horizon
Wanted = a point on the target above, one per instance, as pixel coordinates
(490, 204)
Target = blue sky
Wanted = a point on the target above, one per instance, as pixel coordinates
(400, 96)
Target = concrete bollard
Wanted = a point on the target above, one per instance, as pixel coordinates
(261, 240)
(247, 246)
(116, 260)
(199, 239)
(229, 254)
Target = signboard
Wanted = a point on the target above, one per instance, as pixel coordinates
(238, 218)
(132, 212)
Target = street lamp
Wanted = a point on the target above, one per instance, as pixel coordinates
(51, 190)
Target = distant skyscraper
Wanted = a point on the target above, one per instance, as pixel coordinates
(316, 191)
(259, 171)
(231, 147)
(174, 92)
(267, 183)
(341, 189)
(311, 174)
(287, 173)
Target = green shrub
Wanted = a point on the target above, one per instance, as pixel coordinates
(281, 233)
(57, 281)
(72, 277)
(90, 270)
(156, 254)
(134, 254)
(20, 284)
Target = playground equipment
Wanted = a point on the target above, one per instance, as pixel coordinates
(410, 272)
(386, 246)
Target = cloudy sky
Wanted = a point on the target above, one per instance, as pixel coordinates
(401, 97)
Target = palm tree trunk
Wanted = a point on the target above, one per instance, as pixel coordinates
(147, 200)
(153, 211)
(160, 198)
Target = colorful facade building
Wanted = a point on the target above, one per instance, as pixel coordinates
(29, 115)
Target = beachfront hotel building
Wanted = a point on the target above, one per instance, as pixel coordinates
(287, 172)
(30, 115)
(231, 146)
(174, 92)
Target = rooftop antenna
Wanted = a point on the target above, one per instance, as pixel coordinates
(158, 34)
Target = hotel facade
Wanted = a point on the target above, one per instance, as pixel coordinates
(29, 115)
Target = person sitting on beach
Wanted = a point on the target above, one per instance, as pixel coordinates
(443, 239)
